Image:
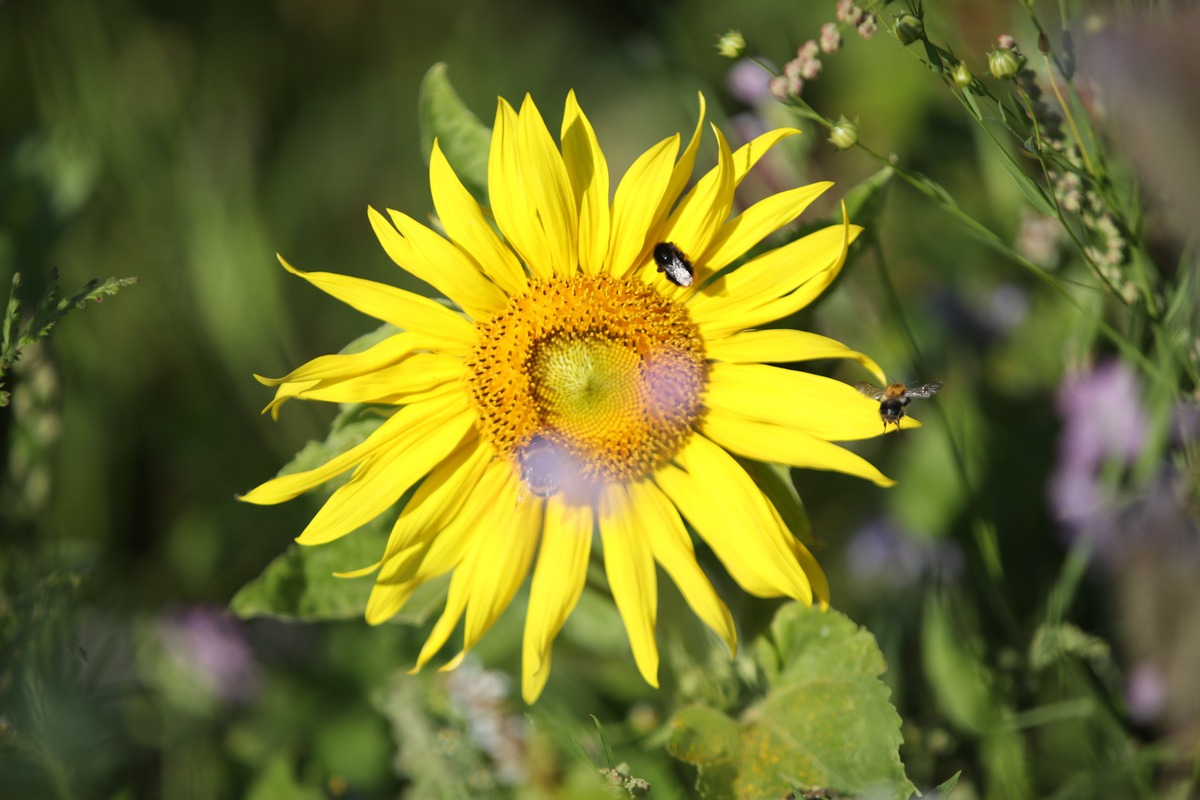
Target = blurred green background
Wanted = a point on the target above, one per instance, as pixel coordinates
(186, 143)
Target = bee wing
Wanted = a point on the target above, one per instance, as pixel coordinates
(925, 390)
(873, 392)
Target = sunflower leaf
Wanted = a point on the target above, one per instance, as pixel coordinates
(711, 741)
(826, 719)
(442, 115)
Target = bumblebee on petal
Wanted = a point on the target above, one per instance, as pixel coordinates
(674, 263)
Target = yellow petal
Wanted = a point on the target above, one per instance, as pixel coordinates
(739, 315)
(746, 156)
(426, 255)
(816, 575)
(416, 373)
(467, 226)
(549, 190)
(496, 500)
(504, 554)
(440, 497)
(644, 200)
(772, 275)
(558, 581)
(286, 487)
(341, 365)
(588, 172)
(639, 194)
(456, 604)
(489, 574)
(496, 490)
(445, 330)
(361, 572)
(629, 563)
(430, 540)
(510, 200)
(673, 549)
(728, 510)
(754, 224)
(681, 174)
(436, 430)
(283, 393)
(780, 345)
(817, 405)
(763, 441)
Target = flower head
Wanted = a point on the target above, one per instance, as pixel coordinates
(581, 391)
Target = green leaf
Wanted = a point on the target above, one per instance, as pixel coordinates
(464, 140)
(711, 741)
(947, 786)
(1033, 193)
(300, 584)
(826, 719)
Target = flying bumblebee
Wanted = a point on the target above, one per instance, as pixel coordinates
(895, 397)
(674, 263)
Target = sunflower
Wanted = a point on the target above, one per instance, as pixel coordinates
(583, 387)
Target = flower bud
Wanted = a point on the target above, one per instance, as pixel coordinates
(1004, 63)
(962, 75)
(909, 29)
(844, 134)
(731, 44)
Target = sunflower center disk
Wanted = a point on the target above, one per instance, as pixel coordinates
(584, 379)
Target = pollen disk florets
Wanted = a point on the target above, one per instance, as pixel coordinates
(607, 371)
